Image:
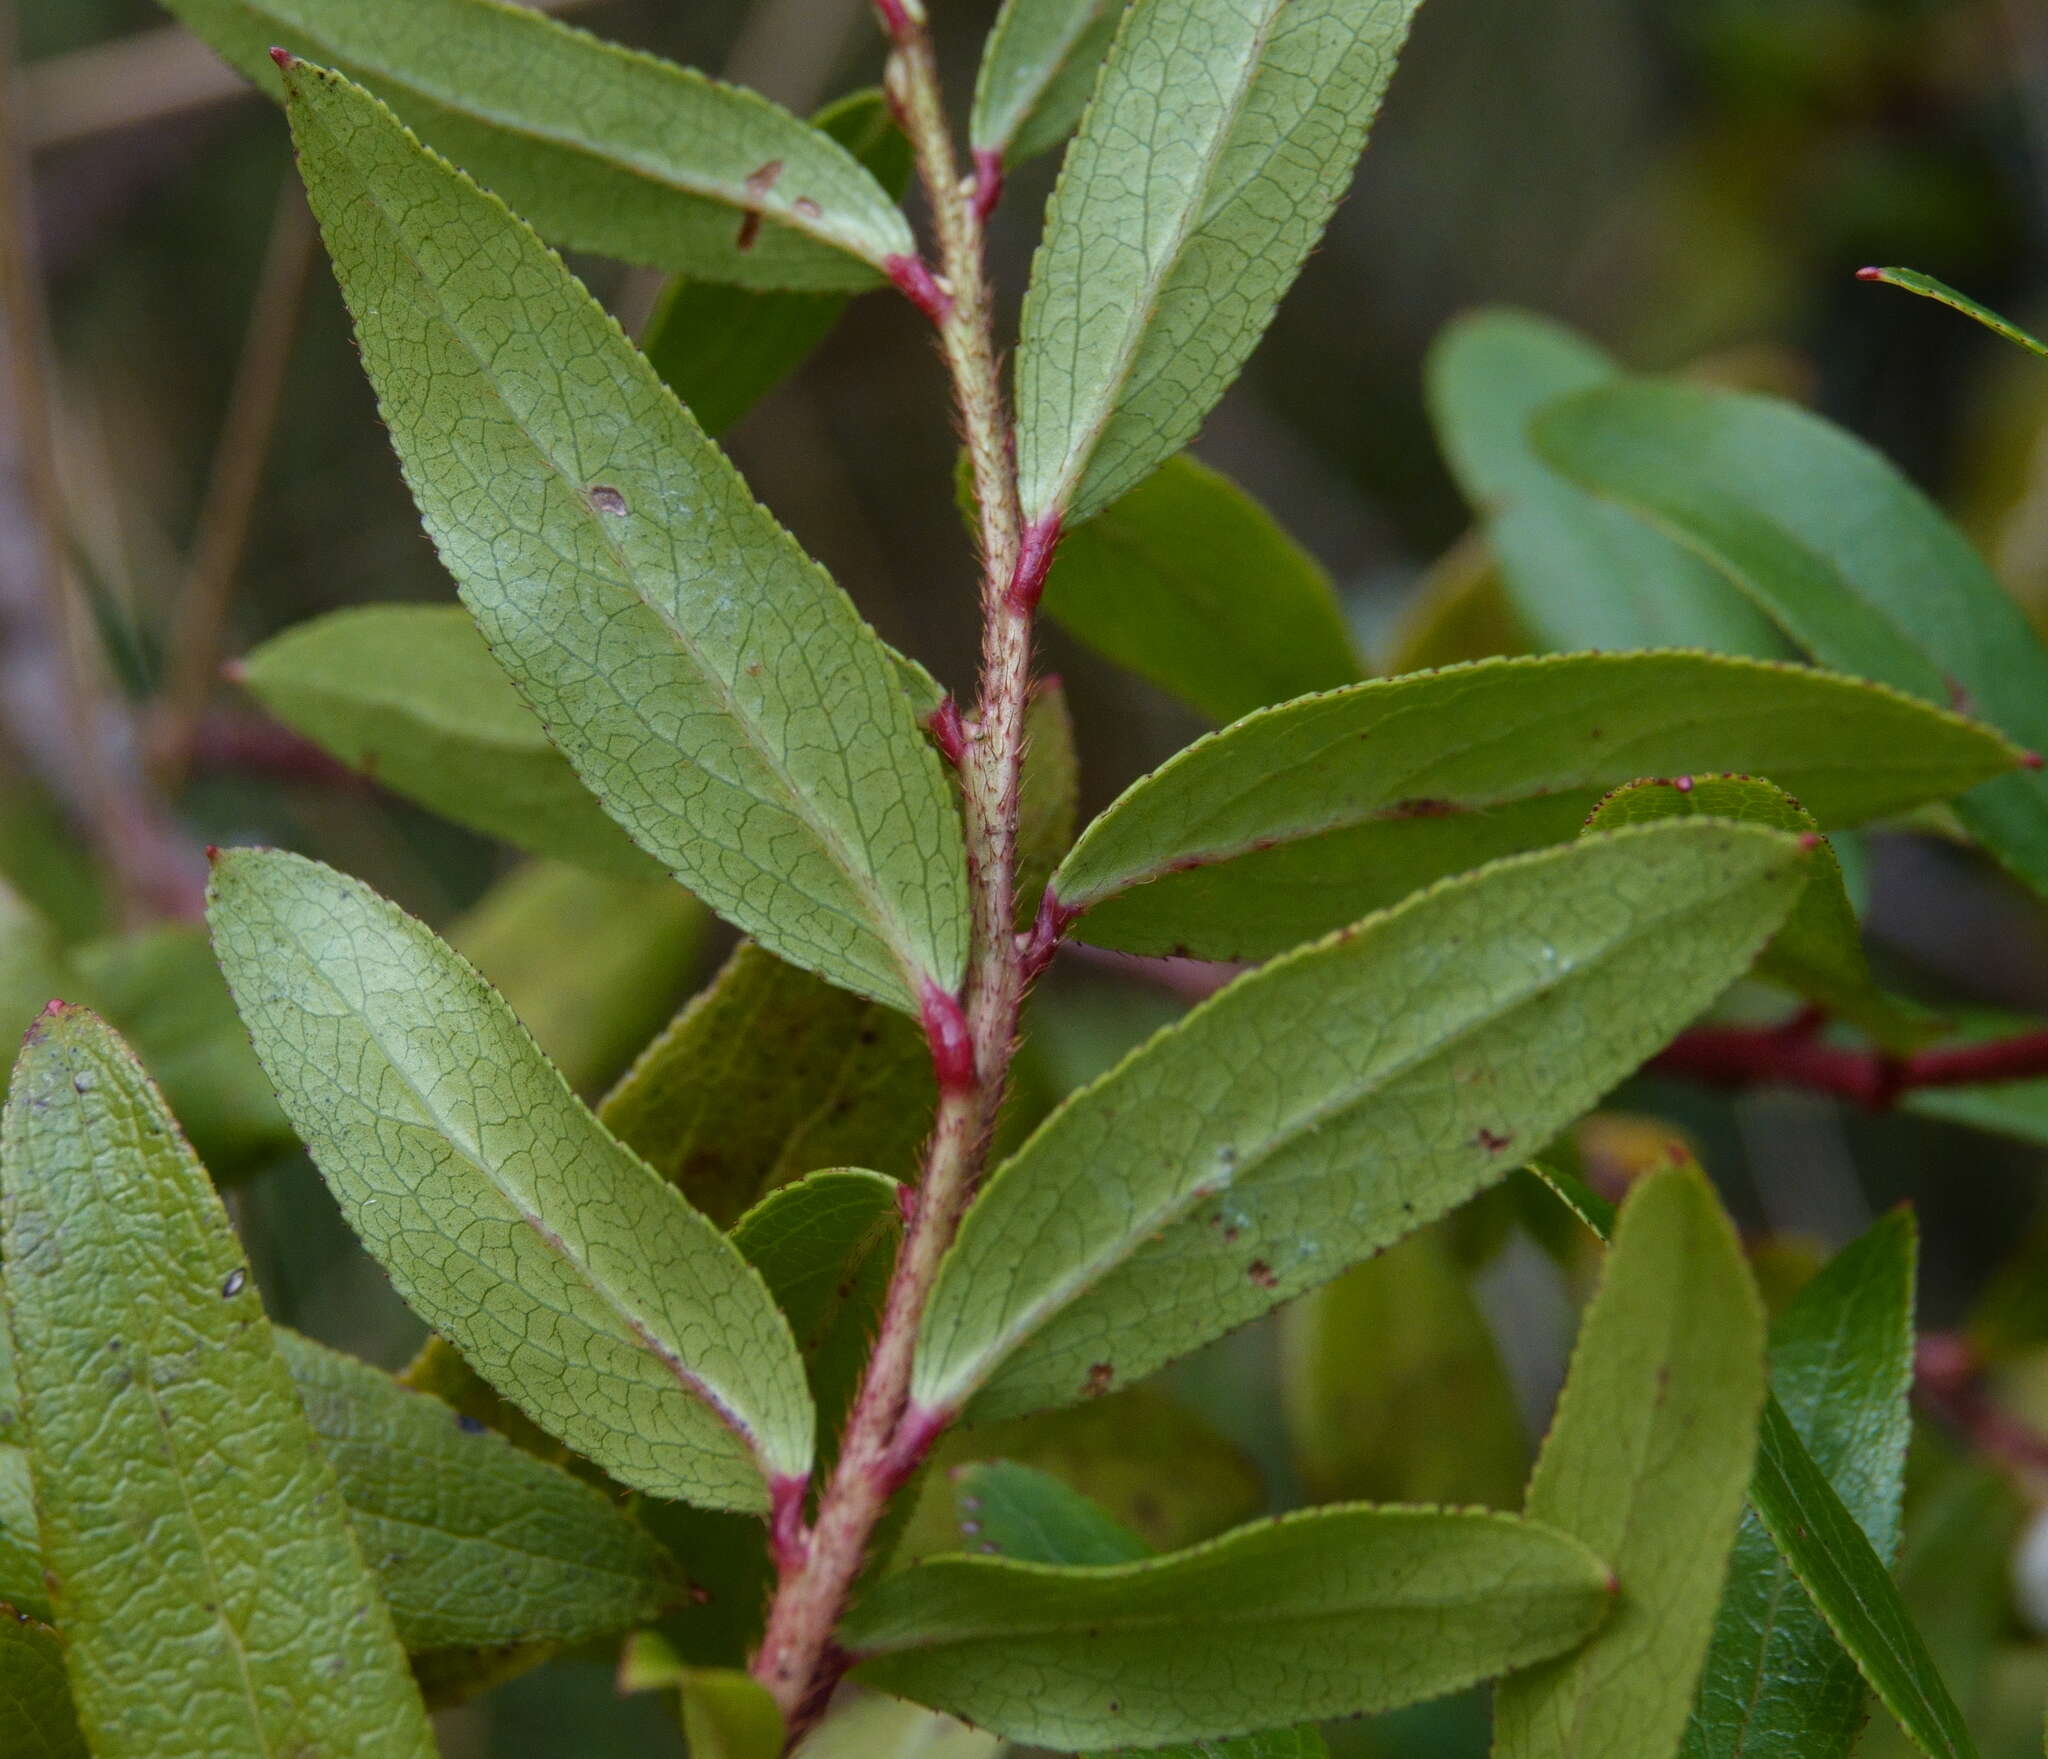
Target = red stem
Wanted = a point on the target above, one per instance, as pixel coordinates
(1790, 1056)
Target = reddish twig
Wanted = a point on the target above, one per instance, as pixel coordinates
(1949, 1383)
(1791, 1056)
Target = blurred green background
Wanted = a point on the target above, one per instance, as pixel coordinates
(1682, 179)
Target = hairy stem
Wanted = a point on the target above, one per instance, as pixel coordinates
(886, 1438)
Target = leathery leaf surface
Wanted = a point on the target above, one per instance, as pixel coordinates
(1375, 1080)
(572, 1277)
(212, 1602)
(710, 684)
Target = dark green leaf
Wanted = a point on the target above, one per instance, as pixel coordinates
(574, 1279)
(155, 1406)
(1646, 1461)
(1048, 793)
(1580, 573)
(1319, 1614)
(1189, 582)
(825, 1247)
(1913, 281)
(769, 1073)
(1776, 1683)
(1019, 1512)
(21, 1551)
(36, 1718)
(474, 1542)
(1303, 817)
(722, 348)
(1859, 567)
(601, 148)
(1220, 138)
(1376, 1079)
(714, 689)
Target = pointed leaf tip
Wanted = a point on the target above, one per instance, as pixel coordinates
(284, 58)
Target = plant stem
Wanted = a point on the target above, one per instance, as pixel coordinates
(1732, 1056)
(886, 1437)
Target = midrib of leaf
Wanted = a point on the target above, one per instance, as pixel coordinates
(1177, 1208)
(1081, 449)
(620, 1309)
(705, 188)
(882, 920)
(221, 1621)
(1781, 1579)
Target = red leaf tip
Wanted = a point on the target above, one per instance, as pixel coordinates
(2030, 760)
(1870, 274)
(212, 853)
(285, 59)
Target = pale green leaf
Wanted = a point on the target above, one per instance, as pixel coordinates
(410, 696)
(1216, 146)
(1303, 817)
(36, 1717)
(1038, 68)
(1370, 1362)
(156, 1408)
(825, 1247)
(1048, 792)
(576, 1282)
(1819, 952)
(887, 1728)
(1860, 568)
(1646, 1462)
(713, 688)
(601, 148)
(1776, 1684)
(1191, 583)
(1913, 281)
(768, 1073)
(21, 1551)
(1376, 1079)
(1320, 1614)
(1829, 1552)
(1155, 1466)
(1581, 574)
(721, 348)
(591, 964)
(728, 1714)
(474, 1542)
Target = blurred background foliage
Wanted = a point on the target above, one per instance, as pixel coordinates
(1691, 182)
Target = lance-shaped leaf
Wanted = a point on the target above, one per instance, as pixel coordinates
(1368, 1365)
(21, 1550)
(721, 348)
(1581, 574)
(1829, 1552)
(410, 696)
(575, 1281)
(1303, 817)
(1191, 583)
(825, 1247)
(1819, 951)
(1913, 281)
(1646, 1462)
(1038, 69)
(155, 1405)
(35, 1695)
(1776, 1684)
(713, 688)
(768, 1073)
(1007, 1510)
(601, 148)
(1219, 140)
(1320, 1614)
(474, 1542)
(1377, 1079)
(1860, 568)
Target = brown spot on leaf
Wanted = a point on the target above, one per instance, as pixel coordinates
(1492, 1142)
(1424, 807)
(1262, 1273)
(1100, 1375)
(607, 499)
